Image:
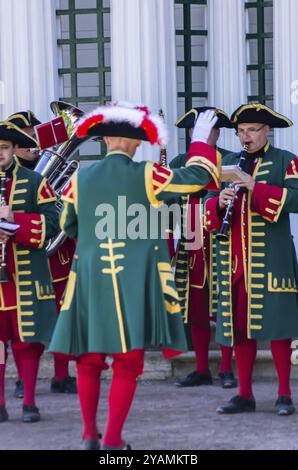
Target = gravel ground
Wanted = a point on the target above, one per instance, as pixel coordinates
(162, 417)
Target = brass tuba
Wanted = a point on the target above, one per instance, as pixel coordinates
(57, 165)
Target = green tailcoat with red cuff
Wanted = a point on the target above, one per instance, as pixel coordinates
(197, 267)
(30, 289)
(121, 292)
(265, 251)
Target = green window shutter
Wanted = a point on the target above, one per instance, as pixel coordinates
(85, 56)
(192, 64)
(259, 38)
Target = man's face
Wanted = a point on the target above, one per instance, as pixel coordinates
(7, 150)
(255, 135)
(28, 154)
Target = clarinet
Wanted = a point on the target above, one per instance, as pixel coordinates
(3, 266)
(223, 234)
(163, 159)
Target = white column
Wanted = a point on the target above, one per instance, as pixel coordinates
(144, 61)
(28, 56)
(286, 78)
(227, 61)
(286, 70)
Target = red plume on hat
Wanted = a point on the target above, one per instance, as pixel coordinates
(123, 120)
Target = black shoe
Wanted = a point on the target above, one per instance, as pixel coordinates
(227, 380)
(19, 389)
(284, 406)
(67, 385)
(3, 414)
(195, 379)
(30, 414)
(91, 445)
(124, 446)
(238, 405)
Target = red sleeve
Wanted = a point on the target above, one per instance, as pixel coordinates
(209, 158)
(60, 262)
(45, 193)
(171, 245)
(213, 221)
(268, 201)
(32, 231)
(292, 170)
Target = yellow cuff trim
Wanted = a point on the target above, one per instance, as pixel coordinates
(149, 186)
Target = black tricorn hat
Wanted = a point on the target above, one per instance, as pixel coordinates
(261, 114)
(24, 119)
(187, 121)
(122, 119)
(12, 133)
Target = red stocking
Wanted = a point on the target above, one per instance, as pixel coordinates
(89, 369)
(201, 340)
(61, 362)
(89, 390)
(17, 360)
(226, 359)
(245, 354)
(126, 368)
(29, 354)
(29, 374)
(281, 352)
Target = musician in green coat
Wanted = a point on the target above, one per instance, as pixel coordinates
(257, 263)
(121, 296)
(196, 271)
(27, 299)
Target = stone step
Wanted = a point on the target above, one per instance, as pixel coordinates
(156, 368)
(264, 366)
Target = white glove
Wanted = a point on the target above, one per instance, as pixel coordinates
(203, 126)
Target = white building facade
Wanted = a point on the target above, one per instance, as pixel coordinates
(169, 54)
